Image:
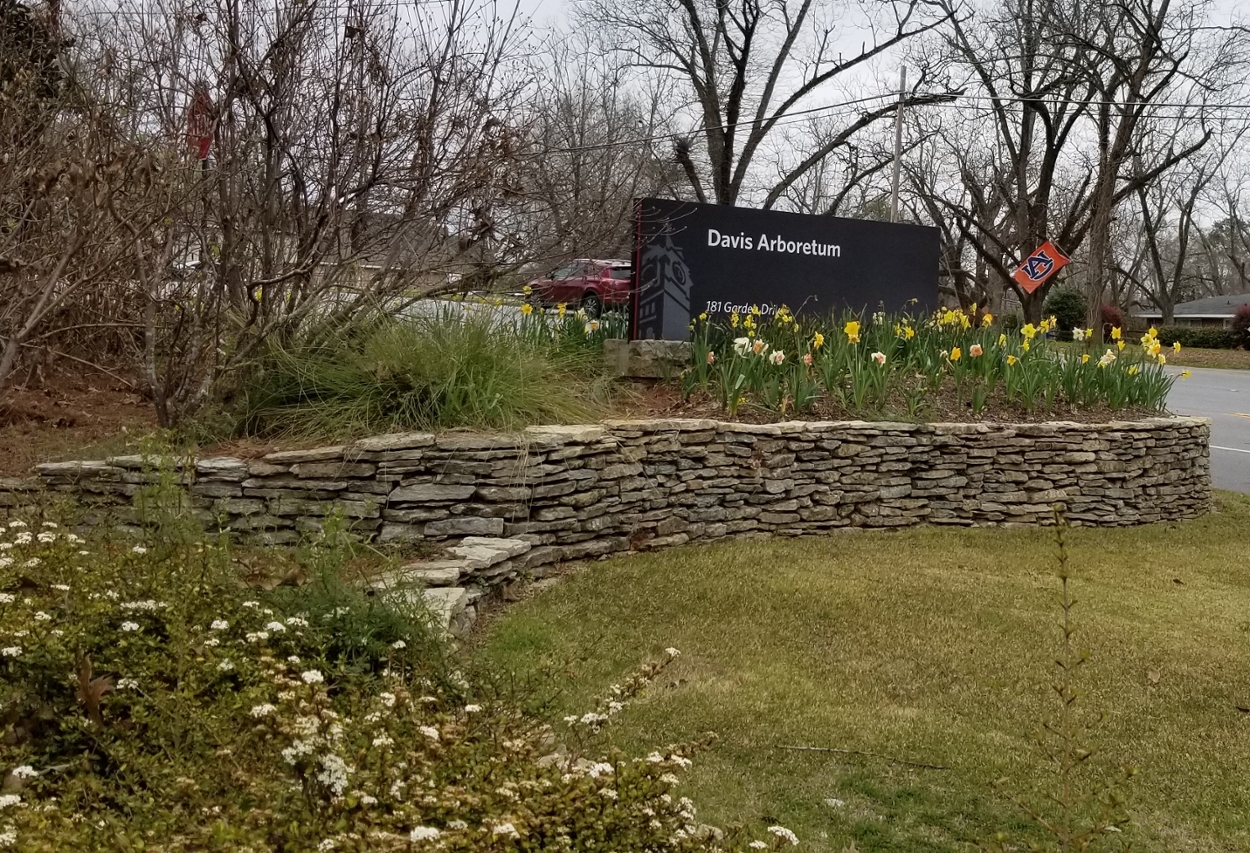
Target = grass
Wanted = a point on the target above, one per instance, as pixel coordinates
(480, 370)
(935, 646)
(1230, 359)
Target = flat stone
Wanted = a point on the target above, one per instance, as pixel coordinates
(316, 454)
(222, 468)
(391, 441)
(332, 470)
(553, 436)
(462, 526)
(428, 492)
(444, 604)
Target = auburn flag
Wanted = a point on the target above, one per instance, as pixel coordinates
(1039, 266)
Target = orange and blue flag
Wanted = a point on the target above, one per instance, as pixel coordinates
(1039, 266)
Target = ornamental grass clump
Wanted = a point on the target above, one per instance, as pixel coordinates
(149, 701)
(464, 365)
(950, 363)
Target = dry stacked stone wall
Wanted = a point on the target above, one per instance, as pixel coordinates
(568, 492)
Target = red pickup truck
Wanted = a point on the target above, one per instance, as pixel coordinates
(586, 284)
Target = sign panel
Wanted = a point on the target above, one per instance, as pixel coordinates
(693, 258)
(1039, 266)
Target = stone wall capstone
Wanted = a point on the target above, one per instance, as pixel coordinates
(571, 492)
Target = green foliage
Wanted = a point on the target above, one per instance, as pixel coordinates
(1198, 337)
(1011, 323)
(470, 366)
(1241, 325)
(888, 364)
(1068, 307)
(150, 702)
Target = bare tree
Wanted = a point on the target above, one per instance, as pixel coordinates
(748, 68)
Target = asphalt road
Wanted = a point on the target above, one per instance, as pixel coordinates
(1224, 397)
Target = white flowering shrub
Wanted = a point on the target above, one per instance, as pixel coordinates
(149, 701)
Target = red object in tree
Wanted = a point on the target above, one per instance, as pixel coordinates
(200, 124)
(1045, 261)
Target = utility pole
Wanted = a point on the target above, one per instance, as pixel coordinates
(898, 142)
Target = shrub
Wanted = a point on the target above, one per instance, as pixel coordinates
(1068, 306)
(1241, 326)
(459, 368)
(1197, 337)
(1011, 323)
(149, 702)
(1112, 318)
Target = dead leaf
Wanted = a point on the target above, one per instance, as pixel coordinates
(1178, 581)
(1153, 676)
(92, 690)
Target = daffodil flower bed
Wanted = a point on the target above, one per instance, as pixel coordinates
(908, 366)
(148, 701)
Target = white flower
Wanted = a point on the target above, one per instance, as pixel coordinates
(312, 676)
(334, 773)
(127, 684)
(669, 779)
(742, 346)
(777, 357)
(784, 834)
(6, 598)
(424, 833)
(264, 710)
(388, 699)
(256, 636)
(472, 709)
(51, 525)
(84, 553)
(148, 605)
(399, 644)
(8, 837)
(139, 549)
(45, 538)
(11, 651)
(878, 357)
(212, 642)
(31, 563)
(297, 622)
(835, 803)
(608, 792)
(40, 616)
(7, 800)
(60, 587)
(327, 844)
(671, 652)
(383, 740)
(17, 522)
(457, 824)
(276, 627)
(130, 626)
(598, 769)
(505, 829)
(294, 659)
(5, 562)
(429, 731)
(250, 604)
(225, 666)
(219, 625)
(25, 772)
(758, 845)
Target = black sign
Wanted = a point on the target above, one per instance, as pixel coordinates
(694, 258)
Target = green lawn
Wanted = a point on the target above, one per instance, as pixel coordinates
(935, 646)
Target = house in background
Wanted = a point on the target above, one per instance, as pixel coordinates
(1213, 312)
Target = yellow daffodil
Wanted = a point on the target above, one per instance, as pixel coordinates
(1002, 340)
(852, 331)
(955, 354)
(1011, 359)
(734, 320)
(1153, 332)
(1161, 358)
(561, 309)
(1176, 346)
(909, 332)
(1085, 358)
(1120, 344)
(527, 309)
(703, 317)
(527, 290)
(1115, 333)
(1029, 331)
(1186, 375)
(818, 340)
(1132, 371)
(987, 320)
(1025, 346)
(755, 310)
